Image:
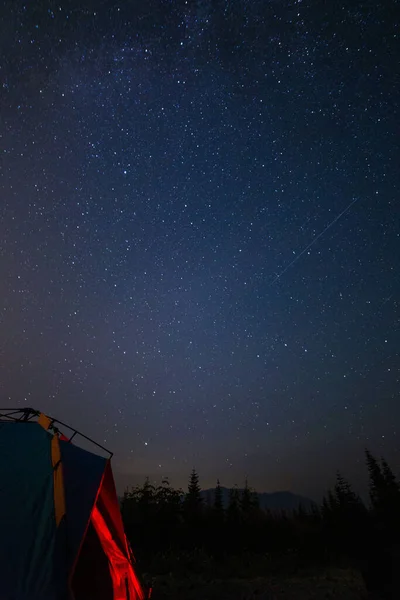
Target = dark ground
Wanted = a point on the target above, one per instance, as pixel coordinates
(196, 576)
(328, 584)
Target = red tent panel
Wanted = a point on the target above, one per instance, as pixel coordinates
(107, 521)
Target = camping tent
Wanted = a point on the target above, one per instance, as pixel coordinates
(61, 532)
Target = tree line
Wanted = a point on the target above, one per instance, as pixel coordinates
(343, 530)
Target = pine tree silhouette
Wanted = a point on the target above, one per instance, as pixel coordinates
(389, 477)
(194, 490)
(217, 524)
(193, 502)
(168, 501)
(325, 508)
(346, 499)
(233, 511)
(139, 513)
(377, 482)
(246, 500)
(218, 501)
(379, 570)
(332, 501)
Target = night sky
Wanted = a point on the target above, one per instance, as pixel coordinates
(199, 233)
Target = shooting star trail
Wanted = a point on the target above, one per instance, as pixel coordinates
(279, 275)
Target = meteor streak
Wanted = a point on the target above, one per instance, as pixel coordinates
(279, 275)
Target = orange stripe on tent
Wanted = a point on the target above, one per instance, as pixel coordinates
(44, 421)
(58, 479)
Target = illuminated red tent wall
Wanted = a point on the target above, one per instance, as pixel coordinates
(62, 536)
(105, 539)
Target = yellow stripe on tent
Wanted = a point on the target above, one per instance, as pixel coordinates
(58, 478)
(44, 421)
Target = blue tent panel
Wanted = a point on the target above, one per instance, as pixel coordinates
(83, 472)
(26, 500)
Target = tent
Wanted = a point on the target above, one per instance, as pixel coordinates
(61, 531)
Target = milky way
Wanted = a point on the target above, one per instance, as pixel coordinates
(162, 165)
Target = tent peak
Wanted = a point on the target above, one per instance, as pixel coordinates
(28, 414)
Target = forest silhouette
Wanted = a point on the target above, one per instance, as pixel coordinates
(182, 533)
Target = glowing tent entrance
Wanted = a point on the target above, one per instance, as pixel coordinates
(61, 532)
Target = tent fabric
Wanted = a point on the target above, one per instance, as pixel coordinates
(119, 567)
(83, 473)
(58, 480)
(111, 511)
(60, 518)
(44, 421)
(107, 521)
(92, 577)
(28, 529)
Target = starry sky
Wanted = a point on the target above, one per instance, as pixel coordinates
(199, 233)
